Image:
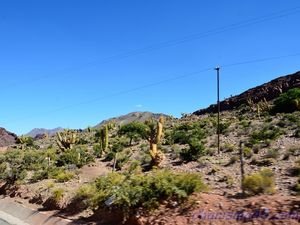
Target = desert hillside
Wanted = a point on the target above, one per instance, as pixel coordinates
(145, 168)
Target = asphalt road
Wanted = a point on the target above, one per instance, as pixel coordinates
(2, 222)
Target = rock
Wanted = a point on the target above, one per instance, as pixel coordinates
(221, 206)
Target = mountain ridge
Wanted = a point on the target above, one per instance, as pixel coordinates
(7, 138)
(268, 91)
(131, 117)
(38, 131)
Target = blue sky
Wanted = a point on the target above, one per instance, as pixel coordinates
(73, 63)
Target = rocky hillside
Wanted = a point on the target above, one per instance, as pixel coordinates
(6, 138)
(131, 117)
(268, 91)
(39, 131)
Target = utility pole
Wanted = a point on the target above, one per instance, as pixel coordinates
(242, 165)
(218, 105)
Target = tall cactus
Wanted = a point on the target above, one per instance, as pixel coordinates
(102, 138)
(66, 140)
(154, 138)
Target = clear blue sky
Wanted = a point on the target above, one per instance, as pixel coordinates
(53, 56)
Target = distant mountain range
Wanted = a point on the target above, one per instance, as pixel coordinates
(37, 131)
(131, 117)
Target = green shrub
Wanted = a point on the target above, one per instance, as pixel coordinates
(63, 176)
(78, 157)
(97, 150)
(122, 158)
(265, 134)
(39, 175)
(57, 194)
(224, 127)
(262, 182)
(248, 153)
(59, 174)
(287, 102)
(25, 140)
(272, 154)
(195, 150)
(245, 123)
(183, 133)
(141, 190)
(228, 147)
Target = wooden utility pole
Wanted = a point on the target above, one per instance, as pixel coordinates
(242, 164)
(218, 105)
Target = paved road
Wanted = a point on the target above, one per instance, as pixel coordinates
(6, 219)
(2, 222)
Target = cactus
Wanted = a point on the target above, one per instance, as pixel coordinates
(261, 106)
(25, 141)
(251, 105)
(154, 139)
(66, 140)
(102, 139)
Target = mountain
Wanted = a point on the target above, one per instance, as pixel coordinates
(7, 138)
(131, 117)
(268, 91)
(38, 131)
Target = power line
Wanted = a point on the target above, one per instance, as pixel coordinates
(165, 44)
(155, 84)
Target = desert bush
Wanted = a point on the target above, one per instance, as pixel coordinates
(25, 140)
(263, 162)
(63, 176)
(195, 150)
(261, 182)
(224, 127)
(267, 133)
(228, 147)
(122, 158)
(145, 191)
(53, 172)
(97, 150)
(248, 153)
(183, 133)
(245, 123)
(78, 157)
(57, 194)
(272, 154)
(12, 166)
(39, 175)
(287, 102)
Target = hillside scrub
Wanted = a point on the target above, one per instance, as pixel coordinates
(147, 191)
(288, 102)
